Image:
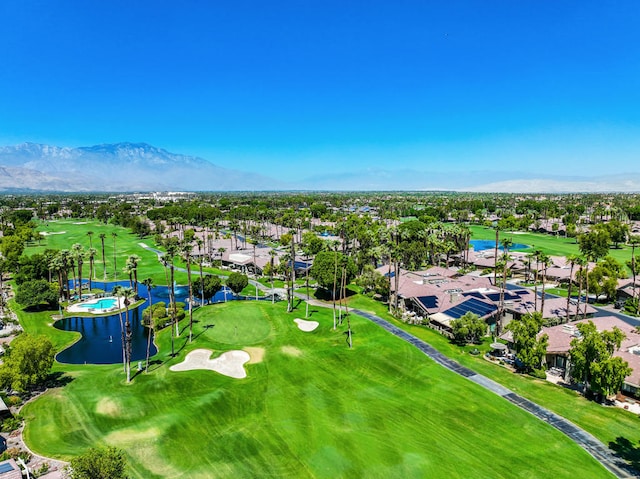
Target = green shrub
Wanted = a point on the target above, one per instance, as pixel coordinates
(538, 373)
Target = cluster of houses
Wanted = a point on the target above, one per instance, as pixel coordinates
(439, 295)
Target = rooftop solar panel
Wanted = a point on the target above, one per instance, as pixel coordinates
(472, 305)
(475, 294)
(429, 301)
(6, 467)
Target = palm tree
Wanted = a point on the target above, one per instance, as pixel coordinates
(186, 255)
(127, 294)
(128, 270)
(165, 259)
(91, 255)
(293, 271)
(78, 254)
(272, 255)
(199, 242)
(634, 240)
(104, 264)
(114, 235)
(132, 262)
(495, 254)
(90, 235)
(545, 260)
(221, 251)
(172, 250)
(572, 259)
(148, 282)
(118, 293)
(506, 244)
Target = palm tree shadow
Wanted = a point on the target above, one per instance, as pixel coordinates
(628, 451)
(204, 329)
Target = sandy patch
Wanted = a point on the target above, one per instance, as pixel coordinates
(291, 351)
(257, 355)
(49, 233)
(132, 436)
(306, 326)
(81, 223)
(230, 363)
(108, 407)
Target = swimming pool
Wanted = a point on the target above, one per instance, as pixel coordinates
(104, 303)
(481, 245)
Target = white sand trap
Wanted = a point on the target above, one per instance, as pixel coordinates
(306, 326)
(81, 223)
(49, 233)
(257, 354)
(229, 363)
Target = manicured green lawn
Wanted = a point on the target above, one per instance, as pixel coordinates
(68, 232)
(552, 245)
(608, 424)
(310, 407)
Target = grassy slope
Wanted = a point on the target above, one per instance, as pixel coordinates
(606, 423)
(311, 408)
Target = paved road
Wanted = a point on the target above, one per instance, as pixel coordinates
(594, 447)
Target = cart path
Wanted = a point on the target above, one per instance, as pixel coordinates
(593, 446)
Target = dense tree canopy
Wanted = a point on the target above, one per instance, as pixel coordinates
(36, 293)
(237, 282)
(530, 348)
(468, 329)
(593, 363)
(327, 269)
(99, 463)
(211, 284)
(27, 362)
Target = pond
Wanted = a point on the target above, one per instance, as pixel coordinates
(101, 341)
(481, 245)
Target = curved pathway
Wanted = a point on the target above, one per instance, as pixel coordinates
(593, 446)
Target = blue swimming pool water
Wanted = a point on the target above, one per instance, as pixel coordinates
(105, 303)
(481, 245)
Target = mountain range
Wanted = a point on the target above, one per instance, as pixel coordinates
(117, 167)
(31, 167)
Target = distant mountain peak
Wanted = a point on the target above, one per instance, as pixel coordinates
(125, 166)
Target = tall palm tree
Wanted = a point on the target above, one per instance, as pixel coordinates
(118, 293)
(148, 282)
(495, 254)
(545, 261)
(572, 259)
(90, 235)
(114, 235)
(78, 254)
(128, 270)
(272, 255)
(634, 240)
(128, 294)
(186, 255)
(132, 262)
(166, 260)
(104, 263)
(506, 244)
(200, 243)
(172, 251)
(91, 254)
(221, 252)
(293, 271)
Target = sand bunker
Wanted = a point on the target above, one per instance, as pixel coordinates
(229, 363)
(49, 233)
(257, 354)
(306, 326)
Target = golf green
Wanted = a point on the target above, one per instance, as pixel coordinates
(309, 407)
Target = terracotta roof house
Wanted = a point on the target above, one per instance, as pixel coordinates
(560, 342)
(9, 470)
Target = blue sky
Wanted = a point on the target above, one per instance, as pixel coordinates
(289, 87)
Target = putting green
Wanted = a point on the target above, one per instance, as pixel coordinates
(311, 407)
(239, 330)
